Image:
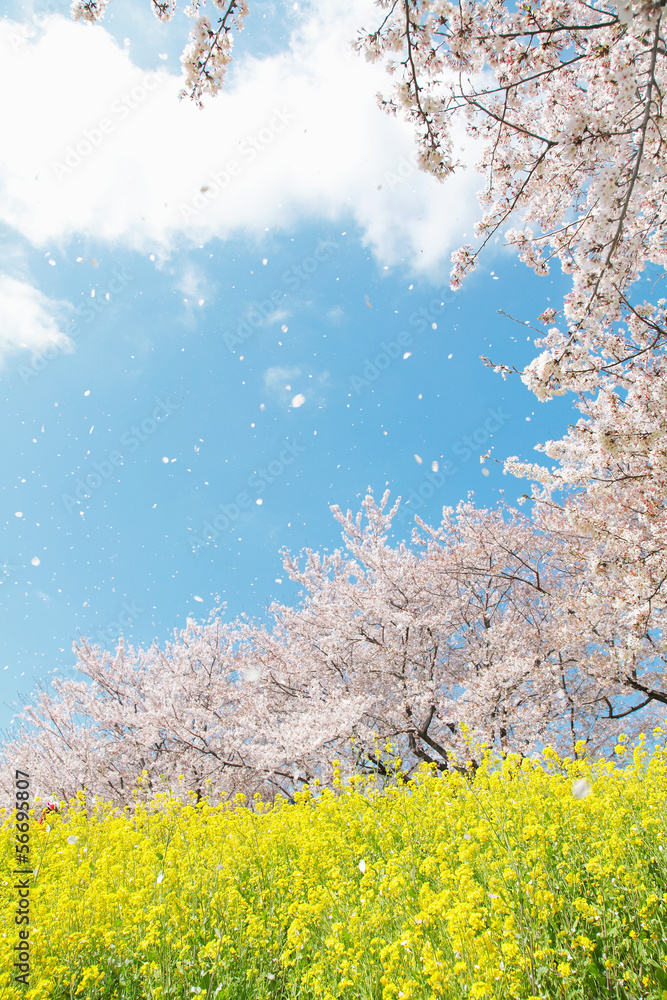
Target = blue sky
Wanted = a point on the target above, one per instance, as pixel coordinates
(217, 324)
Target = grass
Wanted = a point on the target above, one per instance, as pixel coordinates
(540, 878)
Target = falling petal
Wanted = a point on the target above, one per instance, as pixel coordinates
(581, 788)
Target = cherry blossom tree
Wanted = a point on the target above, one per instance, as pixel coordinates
(490, 624)
(609, 488)
(567, 98)
(190, 717)
(429, 635)
(485, 629)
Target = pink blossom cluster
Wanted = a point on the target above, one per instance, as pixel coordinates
(209, 50)
(566, 98)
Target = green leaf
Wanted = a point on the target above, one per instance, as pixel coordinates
(660, 972)
(593, 970)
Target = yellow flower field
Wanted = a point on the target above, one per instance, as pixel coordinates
(536, 879)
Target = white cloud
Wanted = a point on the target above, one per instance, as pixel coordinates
(29, 320)
(279, 379)
(277, 316)
(193, 283)
(285, 385)
(112, 154)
